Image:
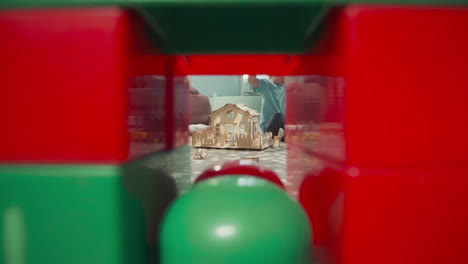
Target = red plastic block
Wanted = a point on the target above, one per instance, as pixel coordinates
(317, 195)
(237, 64)
(403, 71)
(405, 217)
(385, 216)
(240, 167)
(65, 74)
(393, 129)
(314, 121)
(147, 115)
(181, 113)
(406, 86)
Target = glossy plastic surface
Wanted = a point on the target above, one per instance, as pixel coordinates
(317, 194)
(415, 216)
(388, 147)
(240, 167)
(235, 219)
(158, 115)
(226, 26)
(87, 213)
(71, 105)
(181, 111)
(388, 117)
(213, 27)
(237, 64)
(315, 112)
(147, 115)
(198, 3)
(74, 108)
(414, 119)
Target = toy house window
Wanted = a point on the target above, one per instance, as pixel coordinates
(218, 130)
(254, 127)
(242, 129)
(230, 114)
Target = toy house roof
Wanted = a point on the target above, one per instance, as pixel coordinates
(241, 107)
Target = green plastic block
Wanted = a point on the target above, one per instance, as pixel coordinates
(199, 29)
(84, 214)
(68, 214)
(235, 219)
(227, 3)
(176, 162)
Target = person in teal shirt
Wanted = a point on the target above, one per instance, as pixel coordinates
(272, 92)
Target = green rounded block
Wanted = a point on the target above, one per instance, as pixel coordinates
(235, 220)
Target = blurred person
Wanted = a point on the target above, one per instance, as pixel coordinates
(273, 103)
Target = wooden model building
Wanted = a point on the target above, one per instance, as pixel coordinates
(233, 126)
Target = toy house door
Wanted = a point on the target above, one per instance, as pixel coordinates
(231, 133)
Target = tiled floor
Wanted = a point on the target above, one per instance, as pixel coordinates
(272, 158)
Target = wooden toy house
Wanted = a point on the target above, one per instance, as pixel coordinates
(233, 126)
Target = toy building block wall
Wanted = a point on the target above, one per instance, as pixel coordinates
(376, 125)
(87, 102)
(387, 141)
(66, 76)
(87, 213)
